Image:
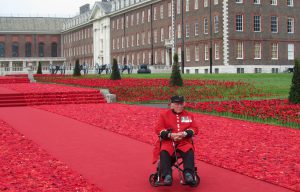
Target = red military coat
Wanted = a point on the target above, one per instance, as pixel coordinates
(177, 123)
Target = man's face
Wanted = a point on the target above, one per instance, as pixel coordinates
(178, 107)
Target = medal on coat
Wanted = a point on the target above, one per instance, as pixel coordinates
(186, 119)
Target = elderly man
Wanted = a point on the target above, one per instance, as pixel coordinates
(177, 125)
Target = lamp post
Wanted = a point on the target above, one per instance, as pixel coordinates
(210, 39)
(182, 40)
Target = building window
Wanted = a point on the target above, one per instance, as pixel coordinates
(41, 49)
(137, 39)
(162, 56)
(178, 6)
(205, 26)
(290, 3)
(196, 29)
(240, 50)
(162, 34)
(290, 25)
(196, 4)
(257, 51)
(205, 3)
(154, 14)
(187, 5)
(2, 49)
(217, 51)
(15, 50)
(127, 20)
(179, 31)
(149, 15)
(206, 53)
(239, 22)
(196, 53)
(291, 52)
(273, 2)
(256, 23)
(275, 51)
(216, 2)
(256, 1)
(155, 57)
(28, 49)
(169, 9)
(187, 30)
(149, 37)
(216, 24)
(161, 11)
(143, 16)
(54, 50)
(179, 54)
(170, 31)
(188, 54)
(274, 24)
(239, 1)
(155, 36)
(137, 18)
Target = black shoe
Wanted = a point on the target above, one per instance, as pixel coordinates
(168, 180)
(189, 179)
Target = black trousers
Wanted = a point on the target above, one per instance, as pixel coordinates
(166, 162)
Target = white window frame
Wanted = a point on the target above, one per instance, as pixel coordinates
(240, 50)
(291, 51)
(197, 53)
(239, 22)
(290, 25)
(257, 50)
(274, 51)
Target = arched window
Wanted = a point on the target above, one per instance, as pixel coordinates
(15, 50)
(27, 49)
(54, 50)
(2, 49)
(41, 49)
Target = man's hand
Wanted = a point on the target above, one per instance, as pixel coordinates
(177, 136)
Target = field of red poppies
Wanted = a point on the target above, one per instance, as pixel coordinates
(146, 90)
(273, 110)
(225, 98)
(24, 166)
(265, 152)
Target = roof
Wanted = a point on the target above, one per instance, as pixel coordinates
(105, 6)
(32, 24)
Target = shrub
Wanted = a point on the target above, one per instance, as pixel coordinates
(115, 74)
(76, 71)
(176, 79)
(39, 69)
(294, 96)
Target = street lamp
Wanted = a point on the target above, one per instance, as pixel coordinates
(210, 39)
(182, 33)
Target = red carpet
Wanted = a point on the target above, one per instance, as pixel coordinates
(114, 162)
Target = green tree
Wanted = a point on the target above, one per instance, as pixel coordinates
(294, 96)
(39, 69)
(176, 79)
(76, 71)
(115, 74)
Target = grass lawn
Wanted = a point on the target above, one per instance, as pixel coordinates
(276, 84)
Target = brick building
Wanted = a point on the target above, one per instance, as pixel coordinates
(243, 36)
(224, 36)
(26, 40)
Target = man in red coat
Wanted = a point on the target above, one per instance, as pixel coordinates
(177, 125)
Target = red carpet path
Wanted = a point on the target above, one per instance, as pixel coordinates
(113, 162)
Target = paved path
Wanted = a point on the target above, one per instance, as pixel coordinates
(112, 161)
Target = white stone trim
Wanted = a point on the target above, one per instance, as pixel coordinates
(225, 33)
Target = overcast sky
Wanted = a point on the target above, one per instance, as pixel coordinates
(42, 8)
